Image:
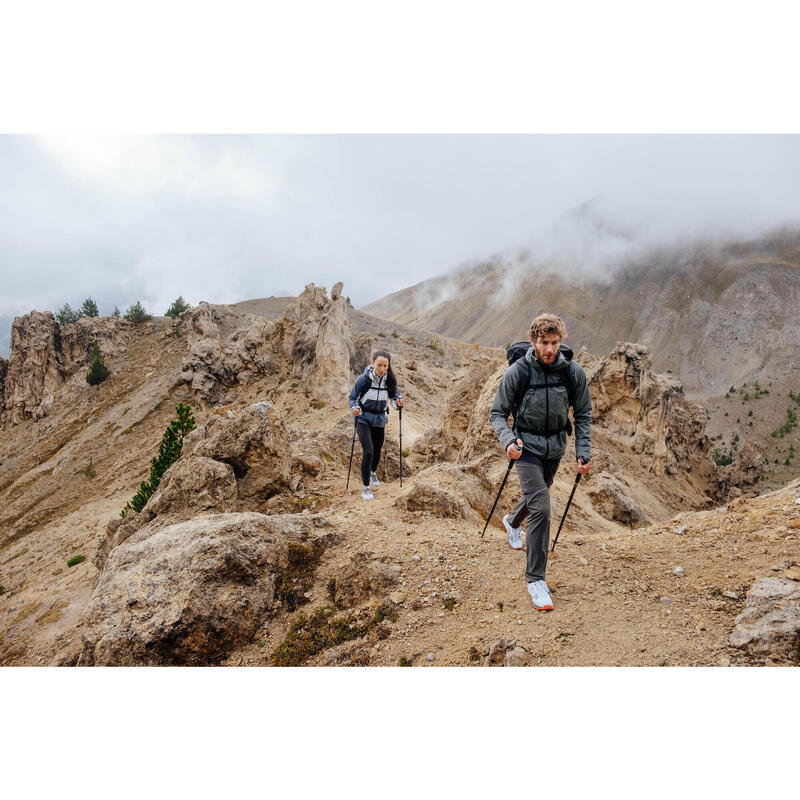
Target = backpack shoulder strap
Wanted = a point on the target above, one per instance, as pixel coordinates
(570, 382)
(523, 382)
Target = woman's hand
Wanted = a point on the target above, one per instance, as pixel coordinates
(400, 402)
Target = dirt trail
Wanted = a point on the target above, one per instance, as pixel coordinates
(617, 601)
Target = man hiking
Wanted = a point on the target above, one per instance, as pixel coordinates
(538, 390)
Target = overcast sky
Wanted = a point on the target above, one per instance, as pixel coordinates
(227, 218)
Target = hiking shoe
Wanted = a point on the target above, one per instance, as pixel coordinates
(366, 494)
(514, 534)
(373, 479)
(540, 595)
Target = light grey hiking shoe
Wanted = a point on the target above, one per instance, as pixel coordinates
(514, 534)
(540, 595)
(366, 494)
(373, 479)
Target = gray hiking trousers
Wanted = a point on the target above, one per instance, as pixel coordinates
(535, 478)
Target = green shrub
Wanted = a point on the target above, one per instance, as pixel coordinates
(722, 459)
(168, 453)
(89, 308)
(98, 371)
(75, 560)
(137, 313)
(178, 307)
(65, 315)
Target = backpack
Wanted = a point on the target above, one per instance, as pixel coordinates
(515, 356)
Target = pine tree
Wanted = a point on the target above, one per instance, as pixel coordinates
(116, 312)
(98, 371)
(178, 307)
(89, 308)
(168, 453)
(137, 313)
(65, 315)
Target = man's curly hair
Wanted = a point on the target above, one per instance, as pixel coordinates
(547, 323)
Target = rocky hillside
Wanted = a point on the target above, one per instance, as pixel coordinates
(720, 317)
(252, 552)
(714, 315)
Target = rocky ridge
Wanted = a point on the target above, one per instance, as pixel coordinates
(226, 564)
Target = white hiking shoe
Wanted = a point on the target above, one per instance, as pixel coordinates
(540, 595)
(514, 534)
(373, 479)
(366, 494)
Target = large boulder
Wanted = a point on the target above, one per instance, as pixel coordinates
(188, 593)
(742, 475)
(769, 626)
(254, 443)
(612, 499)
(192, 486)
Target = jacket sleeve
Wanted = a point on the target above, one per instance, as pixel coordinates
(358, 390)
(582, 414)
(501, 407)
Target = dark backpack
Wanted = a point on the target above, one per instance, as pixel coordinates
(515, 355)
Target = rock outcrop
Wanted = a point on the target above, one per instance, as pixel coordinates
(310, 342)
(236, 462)
(254, 443)
(769, 626)
(742, 475)
(648, 412)
(190, 592)
(44, 356)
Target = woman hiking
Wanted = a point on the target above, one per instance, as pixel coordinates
(373, 391)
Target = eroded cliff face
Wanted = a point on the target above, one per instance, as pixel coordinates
(648, 412)
(44, 356)
(310, 342)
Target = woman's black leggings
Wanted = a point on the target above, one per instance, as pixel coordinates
(371, 439)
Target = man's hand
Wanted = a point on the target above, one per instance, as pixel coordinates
(514, 450)
(400, 402)
(583, 468)
(356, 411)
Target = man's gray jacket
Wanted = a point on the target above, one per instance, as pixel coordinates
(545, 408)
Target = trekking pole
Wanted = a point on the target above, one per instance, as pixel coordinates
(400, 412)
(505, 478)
(352, 448)
(571, 494)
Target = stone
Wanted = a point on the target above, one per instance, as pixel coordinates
(431, 656)
(517, 657)
(398, 597)
(583, 562)
(498, 649)
(363, 577)
(769, 625)
(186, 594)
(193, 485)
(254, 443)
(681, 530)
(612, 498)
(730, 595)
(679, 571)
(434, 500)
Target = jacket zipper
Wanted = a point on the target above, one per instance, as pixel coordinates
(546, 416)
